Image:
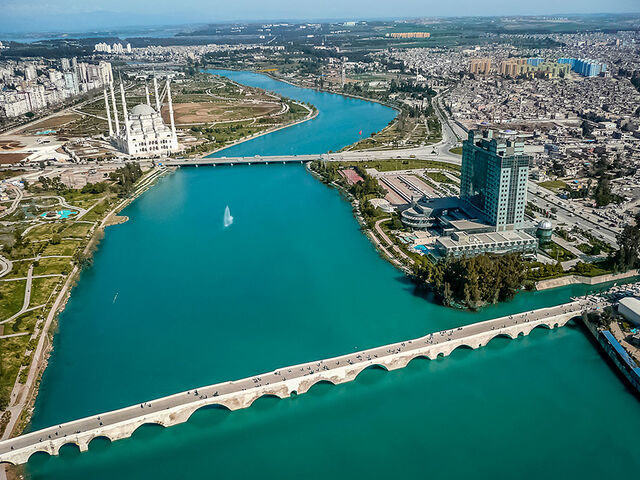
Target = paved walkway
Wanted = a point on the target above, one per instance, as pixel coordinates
(14, 335)
(395, 248)
(563, 243)
(33, 276)
(5, 266)
(27, 295)
(16, 201)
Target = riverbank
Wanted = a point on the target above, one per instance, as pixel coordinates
(577, 279)
(378, 238)
(24, 394)
(313, 113)
(375, 100)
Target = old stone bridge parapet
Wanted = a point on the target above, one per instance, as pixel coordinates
(281, 383)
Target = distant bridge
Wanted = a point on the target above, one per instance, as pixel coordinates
(231, 161)
(282, 383)
(357, 156)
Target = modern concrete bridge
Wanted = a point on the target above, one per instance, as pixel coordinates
(282, 383)
(231, 161)
(357, 156)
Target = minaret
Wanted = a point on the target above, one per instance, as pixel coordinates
(146, 90)
(173, 126)
(125, 114)
(126, 117)
(106, 106)
(115, 110)
(155, 87)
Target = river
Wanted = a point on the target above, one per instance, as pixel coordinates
(175, 300)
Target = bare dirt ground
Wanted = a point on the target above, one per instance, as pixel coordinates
(11, 158)
(208, 112)
(51, 123)
(8, 145)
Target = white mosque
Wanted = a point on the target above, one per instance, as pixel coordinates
(143, 133)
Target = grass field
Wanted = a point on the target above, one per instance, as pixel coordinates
(77, 230)
(42, 289)
(558, 253)
(439, 177)
(12, 297)
(553, 185)
(48, 266)
(402, 164)
(65, 247)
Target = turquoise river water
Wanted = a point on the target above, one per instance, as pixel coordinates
(174, 300)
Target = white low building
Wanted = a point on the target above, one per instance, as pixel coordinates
(462, 244)
(629, 308)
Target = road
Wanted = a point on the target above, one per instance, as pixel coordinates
(571, 214)
(27, 295)
(5, 266)
(16, 201)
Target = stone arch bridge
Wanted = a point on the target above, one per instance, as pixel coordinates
(282, 383)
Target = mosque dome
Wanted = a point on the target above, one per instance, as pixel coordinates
(142, 109)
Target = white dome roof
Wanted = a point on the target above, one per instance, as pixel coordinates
(545, 225)
(142, 109)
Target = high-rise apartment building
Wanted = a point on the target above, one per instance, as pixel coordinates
(480, 66)
(494, 176)
(585, 67)
(514, 67)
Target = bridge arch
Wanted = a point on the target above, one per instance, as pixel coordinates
(373, 366)
(67, 445)
(98, 437)
(264, 395)
(149, 422)
(39, 453)
(421, 356)
(463, 346)
(321, 381)
(543, 325)
(209, 406)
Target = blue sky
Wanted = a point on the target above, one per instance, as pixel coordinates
(37, 15)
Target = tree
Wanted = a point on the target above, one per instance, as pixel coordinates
(629, 247)
(473, 281)
(602, 195)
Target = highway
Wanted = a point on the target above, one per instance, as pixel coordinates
(571, 214)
